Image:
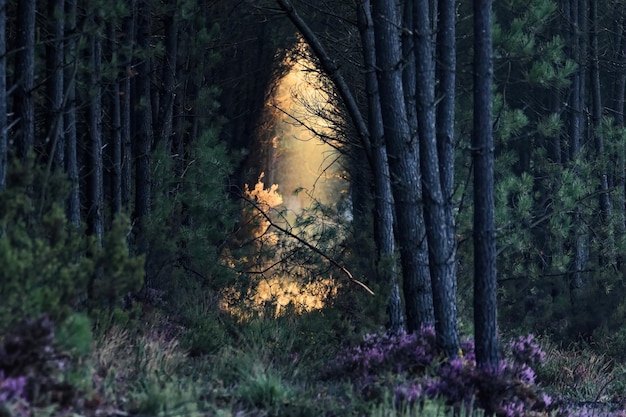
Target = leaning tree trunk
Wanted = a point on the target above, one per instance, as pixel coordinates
(439, 229)
(485, 323)
(383, 203)
(404, 159)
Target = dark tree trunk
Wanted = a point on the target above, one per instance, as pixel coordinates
(115, 110)
(54, 63)
(144, 136)
(24, 102)
(95, 216)
(403, 156)
(166, 101)
(596, 114)
(578, 18)
(441, 247)
(69, 118)
(446, 92)
(383, 203)
(3, 95)
(485, 323)
(128, 36)
(618, 109)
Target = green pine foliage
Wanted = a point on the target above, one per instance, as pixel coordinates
(48, 266)
(544, 203)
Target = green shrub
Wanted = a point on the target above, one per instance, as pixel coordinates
(49, 266)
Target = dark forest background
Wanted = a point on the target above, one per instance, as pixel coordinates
(132, 134)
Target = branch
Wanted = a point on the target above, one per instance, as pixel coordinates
(308, 245)
(331, 69)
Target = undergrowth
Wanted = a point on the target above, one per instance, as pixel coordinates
(288, 367)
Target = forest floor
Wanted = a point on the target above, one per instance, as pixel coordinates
(294, 365)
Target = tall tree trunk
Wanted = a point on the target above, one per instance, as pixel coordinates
(596, 113)
(24, 102)
(441, 247)
(54, 63)
(383, 203)
(3, 95)
(69, 116)
(166, 102)
(485, 322)
(446, 75)
(576, 127)
(96, 222)
(143, 123)
(404, 159)
(128, 39)
(618, 110)
(115, 110)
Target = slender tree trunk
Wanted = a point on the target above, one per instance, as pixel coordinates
(24, 102)
(128, 31)
(576, 127)
(383, 203)
(446, 75)
(69, 117)
(404, 159)
(166, 102)
(618, 109)
(441, 247)
(96, 222)
(3, 95)
(54, 58)
(115, 110)
(596, 113)
(143, 145)
(485, 322)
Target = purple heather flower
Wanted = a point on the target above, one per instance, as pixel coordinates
(11, 388)
(409, 392)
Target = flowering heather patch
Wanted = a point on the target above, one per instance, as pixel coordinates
(388, 352)
(11, 388)
(509, 391)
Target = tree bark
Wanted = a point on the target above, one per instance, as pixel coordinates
(24, 102)
(3, 96)
(115, 110)
(403, 157)
(578, 18)
(383, 203)
(69, 117)
(128, 37)
(54, 63)
(143, 145)
(166, 102)
(96, 222)
(596, 115)
(485, 321)
(441, 247)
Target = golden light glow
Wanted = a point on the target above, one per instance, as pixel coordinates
(301, 171)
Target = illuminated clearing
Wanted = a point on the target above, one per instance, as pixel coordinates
(301, 172)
